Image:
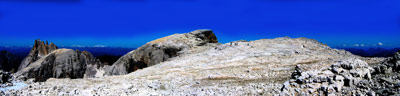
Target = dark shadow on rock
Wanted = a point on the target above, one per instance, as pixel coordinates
(108, 59)
(8, 61)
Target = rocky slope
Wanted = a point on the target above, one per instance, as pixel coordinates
(386, 77)
(161, 50)
(238, 68)
(39, 49)
(351, 77)
(348, 77)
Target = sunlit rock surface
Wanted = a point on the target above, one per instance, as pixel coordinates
(161, 50)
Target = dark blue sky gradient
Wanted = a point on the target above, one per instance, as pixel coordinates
(131, 23)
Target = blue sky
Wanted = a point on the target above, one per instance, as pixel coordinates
(131, 23)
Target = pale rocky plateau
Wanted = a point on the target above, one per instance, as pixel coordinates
(195, 63)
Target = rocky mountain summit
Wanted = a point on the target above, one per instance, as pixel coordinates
(47, 61)
(39, 50)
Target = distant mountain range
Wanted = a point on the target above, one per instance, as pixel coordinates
(372, 52)
(111, 52)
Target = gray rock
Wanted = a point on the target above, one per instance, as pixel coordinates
(332, 80)
(371, 93)
(5, 77)
(339, 78)
(397, 55)
(297, 72)
(61, 63)
(356, 78)
(161, 50)
(337, 70)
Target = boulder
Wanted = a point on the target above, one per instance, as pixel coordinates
(5, 77)
(61, 63)
(39, 50)
(6, 80)
(397, 55)
(161, 50)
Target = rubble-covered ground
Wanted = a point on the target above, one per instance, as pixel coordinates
(350, 77)
(7, 82)
(258, 67)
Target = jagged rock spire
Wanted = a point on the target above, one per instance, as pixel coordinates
(39, 49)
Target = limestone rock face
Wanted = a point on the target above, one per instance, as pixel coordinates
(39, 50)
(61, 63)
(161, 50)
(8, 61)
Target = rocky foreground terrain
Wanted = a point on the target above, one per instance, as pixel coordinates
(196, 64)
